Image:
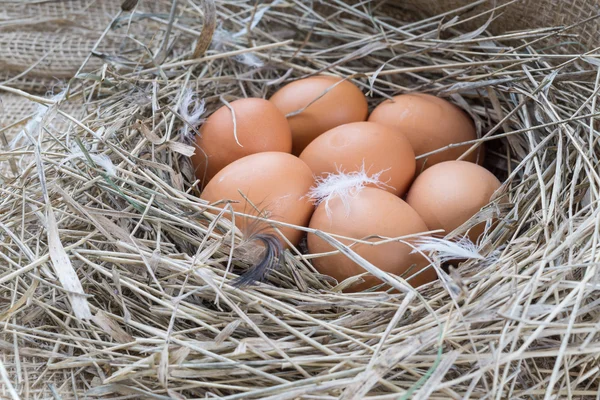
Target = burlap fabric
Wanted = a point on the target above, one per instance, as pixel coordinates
(511, 15)
(46, 41)
(43, 44)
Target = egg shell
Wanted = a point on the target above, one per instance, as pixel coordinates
(276, 183)
(371, 211)
(348, 147)
(342, 104)
(450, 193)
(429, 123)
(260, 127)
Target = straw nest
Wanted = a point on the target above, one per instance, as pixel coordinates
(114, 277)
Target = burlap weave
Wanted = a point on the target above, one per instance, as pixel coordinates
(43, 44)
(516, 15)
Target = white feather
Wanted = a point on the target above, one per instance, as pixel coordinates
(344, 185)
(256, 17)
(33, 125)
(221, 38)
(102, 160)
(191, 110)
(249, 59)
(448, 250)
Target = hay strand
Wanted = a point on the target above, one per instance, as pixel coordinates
(141, 300)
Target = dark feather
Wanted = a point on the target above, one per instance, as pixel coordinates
(271, 259)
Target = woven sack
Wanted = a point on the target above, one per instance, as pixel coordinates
(526, 14)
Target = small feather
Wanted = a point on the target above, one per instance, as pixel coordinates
(249, 59)
(448, 250)
(271, 259)
(32, 126)
(345, 185)
(191, 110)
(256, 17)
(102, 160)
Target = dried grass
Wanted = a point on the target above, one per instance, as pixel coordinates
(130, 242)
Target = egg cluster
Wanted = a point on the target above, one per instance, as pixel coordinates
(312, 156)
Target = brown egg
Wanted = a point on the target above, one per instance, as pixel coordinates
(342, 104)
(371, 211)
(449, 193)
(429, 123)
(377, 147)
(276, 183)
(260, 127)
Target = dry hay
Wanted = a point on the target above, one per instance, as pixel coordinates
(521, 322)
(44, 43)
